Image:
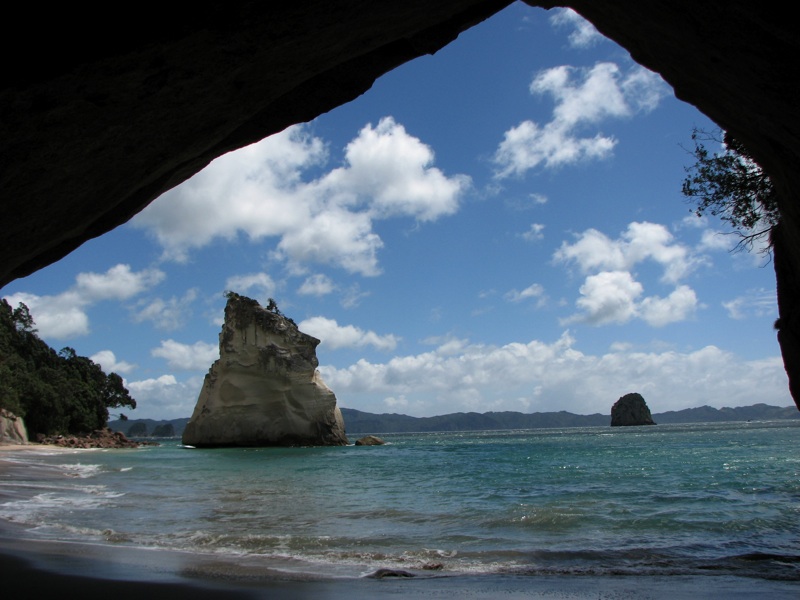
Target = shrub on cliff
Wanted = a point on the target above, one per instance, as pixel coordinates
(729, 184)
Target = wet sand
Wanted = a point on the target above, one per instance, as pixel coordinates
(43, 569)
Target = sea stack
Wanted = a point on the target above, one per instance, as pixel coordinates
(265, 389)
(629, 410)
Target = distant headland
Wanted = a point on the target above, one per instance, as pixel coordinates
(359, 422)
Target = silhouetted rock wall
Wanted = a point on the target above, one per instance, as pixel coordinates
(93, 132)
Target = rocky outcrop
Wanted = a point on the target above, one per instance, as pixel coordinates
(102, 438)
(384, 573)
(370, 440)
(13, 431)
(630, 410)
(265, 389)
(12, 428)
(82, 126)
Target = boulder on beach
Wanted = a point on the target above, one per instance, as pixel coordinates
(631, 409)
(265, 389)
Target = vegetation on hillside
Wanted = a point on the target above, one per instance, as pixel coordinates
(54, 392)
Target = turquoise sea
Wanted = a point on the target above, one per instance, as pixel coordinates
(705, 500)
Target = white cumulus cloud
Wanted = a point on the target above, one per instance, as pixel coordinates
(187, 357)
(146, 385)
(64, 315)
(333, 336)
(118, 283)
(759, 302)
(260, 283)
(610, 292)
(316, 285)
(712, 239)
(263, 191)
(583, 97)
(534, 233)
(535, 290)
(678, 306)
(583, 34)
(643, 241)
(393, 173)
(168, 314)
(608, 297)
(108, 361)
(164, 397)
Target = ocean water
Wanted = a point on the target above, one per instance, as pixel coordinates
(669, 500)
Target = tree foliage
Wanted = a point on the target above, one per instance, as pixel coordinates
(731, 185)
(56, 393)
(272, 307)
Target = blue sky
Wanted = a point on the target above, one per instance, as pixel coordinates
(495, 227)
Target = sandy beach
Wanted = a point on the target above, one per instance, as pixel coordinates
(5, 448)
(109, 570)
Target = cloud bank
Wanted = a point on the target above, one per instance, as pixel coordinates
(536, 376)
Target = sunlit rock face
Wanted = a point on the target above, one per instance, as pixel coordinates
(265, 389)
(12, 429)
(631, 410)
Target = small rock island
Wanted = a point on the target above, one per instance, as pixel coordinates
(631, 410)
(370, 440)
(265, 389)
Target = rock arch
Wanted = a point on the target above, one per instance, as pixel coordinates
(97, 121)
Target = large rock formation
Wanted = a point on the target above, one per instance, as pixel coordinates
(630, 410)
(265, 389)
(92, 131)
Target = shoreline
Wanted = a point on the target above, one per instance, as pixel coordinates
(98, 571)
(5, 448)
